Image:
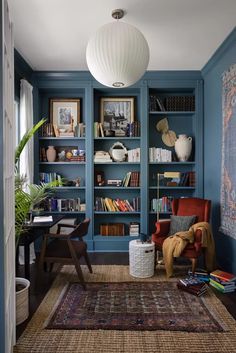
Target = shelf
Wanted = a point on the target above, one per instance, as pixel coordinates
(116, 163)
(172, 112)
(65, 188)
(115, 237)
(65, 212)
(172, 187)
(172, 163)
(63, 163)
(118, 138)
(117, 188)
(62, 138)
(116, 213)
(160, 213)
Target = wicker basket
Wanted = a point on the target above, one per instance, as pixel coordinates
(22, 300)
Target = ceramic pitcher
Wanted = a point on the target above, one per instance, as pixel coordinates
(183, 147)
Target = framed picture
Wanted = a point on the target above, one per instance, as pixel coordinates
(116, 114)
(65, 113)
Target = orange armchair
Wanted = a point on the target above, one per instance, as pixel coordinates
(185, 207)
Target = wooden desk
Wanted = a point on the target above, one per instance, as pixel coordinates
(30, 236)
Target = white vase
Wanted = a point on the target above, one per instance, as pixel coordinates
(183, 147)
(51, 154)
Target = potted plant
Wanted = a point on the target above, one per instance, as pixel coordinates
(25, 203)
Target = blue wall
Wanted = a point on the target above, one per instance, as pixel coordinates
(22, 70)
(212, 74)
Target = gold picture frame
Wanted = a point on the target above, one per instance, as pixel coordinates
(116, 113)
(62, 110)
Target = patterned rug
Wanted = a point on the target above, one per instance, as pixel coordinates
(37, 339)
(132, 306)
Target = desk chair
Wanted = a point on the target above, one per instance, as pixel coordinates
(66, 248)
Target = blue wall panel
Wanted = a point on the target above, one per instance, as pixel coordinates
(212, 74)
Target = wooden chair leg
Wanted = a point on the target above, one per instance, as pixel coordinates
(86, 257)
(76, 263)
(194, 264)
(42, 255)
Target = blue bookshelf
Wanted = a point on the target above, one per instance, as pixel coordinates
(190, 122)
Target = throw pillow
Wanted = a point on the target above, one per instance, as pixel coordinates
(181, 223)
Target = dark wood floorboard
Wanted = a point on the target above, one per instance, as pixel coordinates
(39, 289)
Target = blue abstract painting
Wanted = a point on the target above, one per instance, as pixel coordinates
(228, 171)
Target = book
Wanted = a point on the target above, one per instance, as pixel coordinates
(224, 276)
(196, 290)
(190, 281)
(40, 219)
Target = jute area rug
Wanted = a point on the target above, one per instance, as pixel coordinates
(37, 339)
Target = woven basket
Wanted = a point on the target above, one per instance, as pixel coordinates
(22, 300)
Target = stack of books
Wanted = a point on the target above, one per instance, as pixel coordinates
(223, 281)
(134, 228)
(193, 286)
(200, 274)
(102, 157)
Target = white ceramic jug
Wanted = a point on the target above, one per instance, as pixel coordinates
(183, 147)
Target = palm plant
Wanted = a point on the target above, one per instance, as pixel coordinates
(26, 201)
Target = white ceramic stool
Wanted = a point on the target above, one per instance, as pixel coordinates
(141, 259)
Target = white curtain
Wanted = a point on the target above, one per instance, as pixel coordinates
(27, 155)
(26, 122)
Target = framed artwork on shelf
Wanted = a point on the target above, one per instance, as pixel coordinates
(116, 114)
(64, 115)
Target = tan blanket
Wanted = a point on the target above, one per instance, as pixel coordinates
(175, 244)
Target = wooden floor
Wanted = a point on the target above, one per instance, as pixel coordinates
(37, 295)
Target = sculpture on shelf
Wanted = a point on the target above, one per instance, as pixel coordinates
(168, 136)
(183, 147)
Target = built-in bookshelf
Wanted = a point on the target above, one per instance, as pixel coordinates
(133, 195)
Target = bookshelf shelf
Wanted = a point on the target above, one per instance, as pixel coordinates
(62, 138)
(116, 213)
(173, 163)
(117, 163)
(117, 138)
(172, 188)
(65, 212)
(64, 163)
(126, 188)
(68, 188)
(128, 238)
(179, 113)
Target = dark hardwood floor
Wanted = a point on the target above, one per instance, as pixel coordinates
(39, 290)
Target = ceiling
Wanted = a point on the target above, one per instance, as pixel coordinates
(182, 34)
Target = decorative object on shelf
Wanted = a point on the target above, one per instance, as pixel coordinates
(183, 147)
(112, 229)
(65, 115)
(51, 154)
(168, 136)
(112, 52)
(118, 152)
(99, 179)
(116, 114)
(62, 156)
(102, 157)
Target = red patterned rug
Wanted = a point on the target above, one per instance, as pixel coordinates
(129, 306)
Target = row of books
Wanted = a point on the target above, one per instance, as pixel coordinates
(223, 281)
(133, 129)
(51, 130)
(109, 205)
(64, 205)
(119, 229)
(171, 103)
(157, 155)
(131, 179)
(177, 179)
(134, 155)
(50, 177)
(162, 204)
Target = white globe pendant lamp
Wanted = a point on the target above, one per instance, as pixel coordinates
(118, 54)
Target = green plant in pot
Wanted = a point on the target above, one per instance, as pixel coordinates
(27, 199)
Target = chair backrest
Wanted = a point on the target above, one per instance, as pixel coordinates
(192, 206)
(81, 230)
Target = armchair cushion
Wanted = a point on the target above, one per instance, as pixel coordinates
(181, 223)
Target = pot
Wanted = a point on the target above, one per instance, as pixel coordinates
(22, 300)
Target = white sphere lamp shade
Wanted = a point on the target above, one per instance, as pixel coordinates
(117, 55)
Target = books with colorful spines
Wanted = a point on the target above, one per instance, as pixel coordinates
(189, 281)
(220, 281)
(200, 274)
(222, 290)
(229, 285)
(224, 276)
(197, 289)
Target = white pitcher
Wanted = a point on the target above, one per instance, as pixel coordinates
(183, 147)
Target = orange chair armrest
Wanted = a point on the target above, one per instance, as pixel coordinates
(162, 228)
